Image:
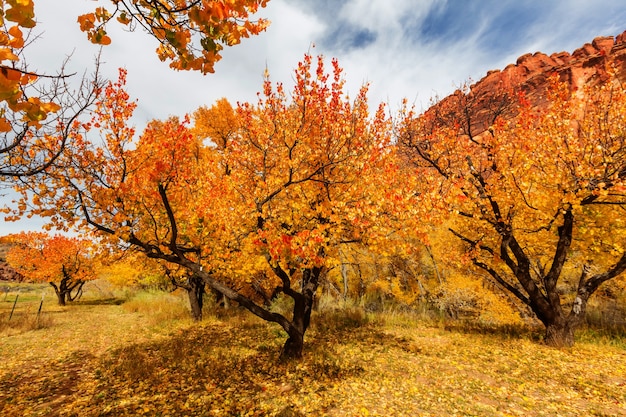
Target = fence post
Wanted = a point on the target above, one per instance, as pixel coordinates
(40, 305)
(13, 309)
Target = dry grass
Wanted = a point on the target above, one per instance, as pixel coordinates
(158, 307)
(19, 307)
(21, 322)
(112, 360)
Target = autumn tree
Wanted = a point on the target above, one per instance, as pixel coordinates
(163, 194)
(296, 181)
(66, 263)
(307, 166)
(538, 199)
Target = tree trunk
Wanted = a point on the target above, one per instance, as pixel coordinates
(195, 292)
(221, 300)
(78, 287)
(60, 293)
(560, 334)
(559, 327)
(344, 276)
(293, 347)
(302, 308)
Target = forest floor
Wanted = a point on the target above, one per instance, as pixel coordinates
(103, 358)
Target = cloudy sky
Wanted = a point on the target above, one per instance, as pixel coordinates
(412, 49)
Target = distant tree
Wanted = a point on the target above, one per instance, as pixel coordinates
(538, 199)
(66, 263)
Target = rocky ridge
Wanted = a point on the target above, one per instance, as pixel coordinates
(587, 65)
(9, 274)
(495, 94)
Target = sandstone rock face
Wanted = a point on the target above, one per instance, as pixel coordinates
(588, 65)
(9, 274)
(6, 272)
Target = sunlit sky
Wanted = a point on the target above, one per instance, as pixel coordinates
(412, 49)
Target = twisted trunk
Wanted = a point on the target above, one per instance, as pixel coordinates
(66, 287)
(540, 293)
(302, 308)
(59, 293)
(560, 333)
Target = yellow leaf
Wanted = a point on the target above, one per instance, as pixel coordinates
(86, 21)
(5, 126)
(5, 53)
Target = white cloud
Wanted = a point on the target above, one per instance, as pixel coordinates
(383, 15)
(161, 91)
(399, 62)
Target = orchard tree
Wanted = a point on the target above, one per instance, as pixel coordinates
(538, 199)
(310, 167)
(299, 178)
(66, 263)
(164, 194)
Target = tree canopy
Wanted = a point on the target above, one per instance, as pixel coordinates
(267, 199)
(191, 33)
(300, 176)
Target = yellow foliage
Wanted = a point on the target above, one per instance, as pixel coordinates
(464, 295)
(191, 34)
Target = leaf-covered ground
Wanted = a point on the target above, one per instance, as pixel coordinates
(103, 360)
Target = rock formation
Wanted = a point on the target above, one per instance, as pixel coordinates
(494, 93)
(9, 274)
(6, 272)
(587, 65)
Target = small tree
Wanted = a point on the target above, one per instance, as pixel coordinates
(65, 263)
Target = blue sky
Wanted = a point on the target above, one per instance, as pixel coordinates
(412, 49)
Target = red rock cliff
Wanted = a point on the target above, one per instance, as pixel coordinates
(588, 65)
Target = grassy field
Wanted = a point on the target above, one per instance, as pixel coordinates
(101, 357)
